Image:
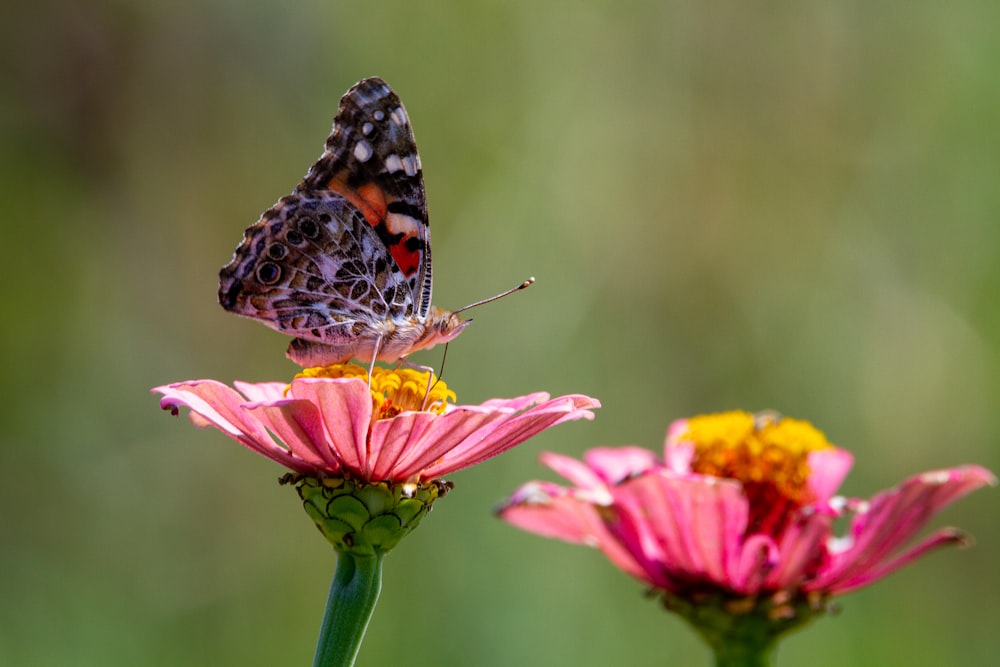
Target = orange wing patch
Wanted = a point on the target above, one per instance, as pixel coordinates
(369, 199)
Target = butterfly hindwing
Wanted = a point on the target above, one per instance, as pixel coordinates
(312, 267)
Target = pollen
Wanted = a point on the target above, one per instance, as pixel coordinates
(767, 453)
(394, 391)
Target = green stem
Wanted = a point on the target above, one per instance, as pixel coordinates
(353, 594)
(729, 655)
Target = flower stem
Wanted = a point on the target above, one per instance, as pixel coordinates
(744, 656)
(353, 594)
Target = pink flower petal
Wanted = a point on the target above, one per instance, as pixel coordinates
(214, 404)
(614, 464)
(575, 471)
(503, 435)
(827, 470)
(892, 518)
(548, 510)
(261, 392)
(940, 538)
(686, 527)
(757, 560)
(403, 446)
(803, 544)
(678, 456)
(299, 424)
(346, 409)
(521, 402)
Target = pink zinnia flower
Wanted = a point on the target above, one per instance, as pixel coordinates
(329, 423)
(367, 455)
(740, 507)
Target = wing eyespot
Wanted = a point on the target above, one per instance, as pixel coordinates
(309, 228)
(277, 251)
(268, 273)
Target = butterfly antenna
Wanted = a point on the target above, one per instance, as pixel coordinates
(520, 287)
(430, 376)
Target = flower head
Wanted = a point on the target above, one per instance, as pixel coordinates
(740, 506)
(367, 457)
(330, 423)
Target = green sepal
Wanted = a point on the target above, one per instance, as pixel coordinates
(744, 631)
(365, 518)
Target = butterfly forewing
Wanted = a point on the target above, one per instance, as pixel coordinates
(371, 159)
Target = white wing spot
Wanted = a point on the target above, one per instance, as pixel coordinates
(393, 164)
(379, 114)
(367, 128)
(410, 165)
(399, 116)
(362, 151)
(400, 223)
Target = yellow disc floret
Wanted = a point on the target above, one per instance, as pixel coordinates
(393, 390)
(768, 453)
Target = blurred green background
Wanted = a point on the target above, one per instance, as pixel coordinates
(727, 205)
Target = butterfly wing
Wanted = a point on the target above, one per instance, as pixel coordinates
(314, 268)
(371, 159)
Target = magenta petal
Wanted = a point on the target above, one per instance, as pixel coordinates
(677, 457)
(575, 471)
(803, 543)
(940, 538)
(891, 519)
(548, 510)
(615, 464)
(685, 527)
(552, 511)
(827, 470)
(757, 560)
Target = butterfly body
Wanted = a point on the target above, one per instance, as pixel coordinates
(343, 264)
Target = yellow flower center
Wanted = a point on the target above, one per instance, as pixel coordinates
(767, 453)
(393, 390)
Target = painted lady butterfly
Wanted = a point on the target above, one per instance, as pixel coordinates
(343, 263)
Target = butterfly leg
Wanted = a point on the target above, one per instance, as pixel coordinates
(371, 366)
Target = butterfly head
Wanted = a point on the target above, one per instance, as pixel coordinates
(442, 326)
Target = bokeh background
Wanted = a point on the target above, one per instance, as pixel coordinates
(727, 205)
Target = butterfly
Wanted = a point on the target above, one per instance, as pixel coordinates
(343, 263)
